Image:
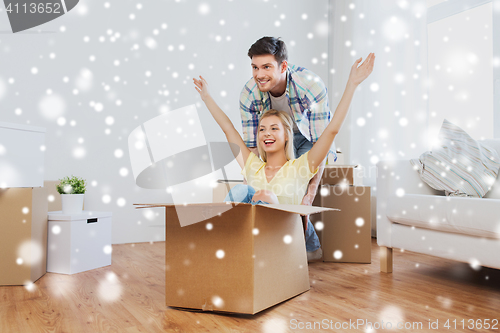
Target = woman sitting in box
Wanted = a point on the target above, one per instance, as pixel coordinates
(278, 178)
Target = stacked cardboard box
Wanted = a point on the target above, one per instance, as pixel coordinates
(23, 240)
(346, 235)
(23, 204)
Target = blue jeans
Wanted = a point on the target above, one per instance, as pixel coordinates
(301, 146)
(243, 193)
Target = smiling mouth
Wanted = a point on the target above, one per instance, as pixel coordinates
(269, 142)
(262, 82)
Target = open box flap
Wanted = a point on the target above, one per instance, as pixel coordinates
(215, 204)
(193, 213)
(299, 209)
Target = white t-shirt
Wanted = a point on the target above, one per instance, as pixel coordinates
(281, 104)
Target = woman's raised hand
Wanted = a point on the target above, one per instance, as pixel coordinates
(359, 74)
(201, 87)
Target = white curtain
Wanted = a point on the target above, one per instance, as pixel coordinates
(388, 116)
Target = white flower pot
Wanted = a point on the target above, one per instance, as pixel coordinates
(72, 203)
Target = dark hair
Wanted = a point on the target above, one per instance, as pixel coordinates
(269, 45)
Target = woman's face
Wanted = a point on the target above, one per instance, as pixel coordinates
(271, 134)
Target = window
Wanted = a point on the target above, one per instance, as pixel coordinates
(462, 66)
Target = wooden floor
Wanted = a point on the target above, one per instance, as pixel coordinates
(129, 297)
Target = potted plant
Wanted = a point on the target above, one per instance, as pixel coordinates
(72, 190)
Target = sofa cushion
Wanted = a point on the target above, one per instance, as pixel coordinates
(469, 216)
(494, 193)
(459, 165)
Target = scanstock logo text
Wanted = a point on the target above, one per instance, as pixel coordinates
(26, 14)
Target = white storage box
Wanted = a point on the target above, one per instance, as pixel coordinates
(78, 242)
(21, 155)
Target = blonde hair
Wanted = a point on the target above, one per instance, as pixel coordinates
(287, 122)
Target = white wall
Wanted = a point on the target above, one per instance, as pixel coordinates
(388, 115)
(90, 106)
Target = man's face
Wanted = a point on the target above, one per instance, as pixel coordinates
(268, 74)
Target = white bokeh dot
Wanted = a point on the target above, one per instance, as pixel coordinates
(337, 254)
(52, 106)
(217, 301)
(151, 43)
(56, 230)
(360, 222)
(118, 153)
(287, 239)
(108, 249)
(475, 264)
(204, 9)
(98, 107)
(79, 152)
(121, 202)
(106, 199)
(61, 121)
(109, 120)
(220, 254)
(123, 172)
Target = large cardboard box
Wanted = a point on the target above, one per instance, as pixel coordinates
(346, 235)
(243, 259)
(23, 239)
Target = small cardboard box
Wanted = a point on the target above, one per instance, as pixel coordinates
(23, 239)
(335, 174)
(243, 259)
(346, 235)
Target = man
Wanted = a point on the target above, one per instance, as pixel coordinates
(278, 85)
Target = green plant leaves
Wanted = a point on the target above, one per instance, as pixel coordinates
(71, 185)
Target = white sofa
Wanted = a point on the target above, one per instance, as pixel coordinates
(413, 216)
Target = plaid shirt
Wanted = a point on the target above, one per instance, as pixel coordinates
(308, 99)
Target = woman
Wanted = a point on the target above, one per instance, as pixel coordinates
(279, 178)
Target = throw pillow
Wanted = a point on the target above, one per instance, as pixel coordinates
(459, 165)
